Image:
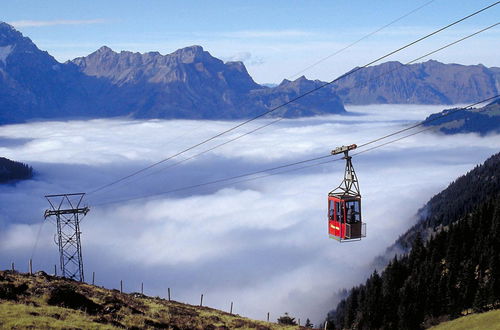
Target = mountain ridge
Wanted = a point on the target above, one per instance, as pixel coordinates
(188, 83)
(429, 82)
(192, 84)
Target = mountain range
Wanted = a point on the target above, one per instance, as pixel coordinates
(191, 83)
(430, 82)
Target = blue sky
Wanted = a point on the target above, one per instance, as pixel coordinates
(275, 39)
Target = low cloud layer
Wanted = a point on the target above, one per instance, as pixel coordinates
(262, 244)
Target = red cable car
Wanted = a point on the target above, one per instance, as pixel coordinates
(344, 204)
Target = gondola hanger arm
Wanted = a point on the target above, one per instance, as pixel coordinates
(343, 149)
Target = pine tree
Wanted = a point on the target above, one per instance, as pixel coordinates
(458, 269)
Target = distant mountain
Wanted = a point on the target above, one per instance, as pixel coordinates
(189, 83)
(483, 120)
(309, 105)
(34, 85)
(430, 82)
(14, 171)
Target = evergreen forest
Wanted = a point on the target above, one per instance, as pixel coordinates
(452, 271)
(13, 171)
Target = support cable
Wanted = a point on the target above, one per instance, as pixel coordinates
(198, 185)
(373, 78)
(427, 121)
(226, 181)
(360, 39)
(294, 99)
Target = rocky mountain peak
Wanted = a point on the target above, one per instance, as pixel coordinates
(302, 80)
(104, 50)
(8, 30)
(237, 65)
(19, 55)
(192, 54)
(299, 84)
(10, 36)
(284, 82)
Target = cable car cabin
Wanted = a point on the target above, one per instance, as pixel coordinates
(344, 218)
(344, 204)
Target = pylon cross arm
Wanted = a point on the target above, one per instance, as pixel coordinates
(82, 210)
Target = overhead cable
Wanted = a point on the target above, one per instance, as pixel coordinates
(292, 100)
(281, 118)
(361, 39)
(248, 176)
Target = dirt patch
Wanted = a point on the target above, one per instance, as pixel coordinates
(11, 291)
(66, 296)
(245, 324)
(183, 311)
(114, 303)
(156, 325)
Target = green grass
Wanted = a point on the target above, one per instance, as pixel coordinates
(21, 316)
(489, 320)
(33, 307)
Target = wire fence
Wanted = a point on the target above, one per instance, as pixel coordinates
(168, 297)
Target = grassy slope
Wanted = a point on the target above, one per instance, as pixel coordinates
(489, 320)
(48, 302)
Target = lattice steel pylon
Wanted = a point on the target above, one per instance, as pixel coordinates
(68, 212)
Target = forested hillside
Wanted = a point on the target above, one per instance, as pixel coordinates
(453, 266)
(455, 272)
(456, 201)
(483, 120)
(11, 170)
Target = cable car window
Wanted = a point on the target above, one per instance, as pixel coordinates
(353, 211)
(331, 210)
(339, 207)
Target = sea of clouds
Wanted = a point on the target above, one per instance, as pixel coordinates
(262, 244)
